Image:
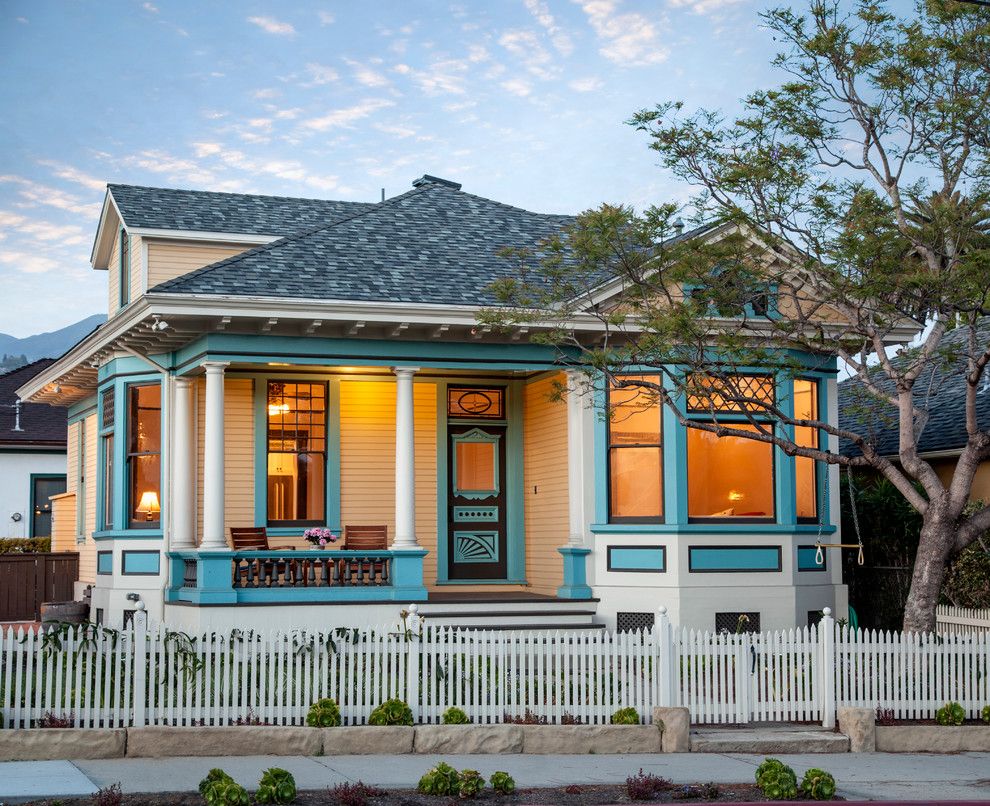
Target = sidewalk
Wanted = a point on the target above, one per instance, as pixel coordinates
(868, 776)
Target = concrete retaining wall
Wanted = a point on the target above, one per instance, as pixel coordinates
(53, 744)
(933, 739)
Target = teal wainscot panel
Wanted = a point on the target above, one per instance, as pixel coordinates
(650, 559)
(730, 559)
(139, 563)
(104, 562)
(807, 559)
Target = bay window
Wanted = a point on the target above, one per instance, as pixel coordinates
(806, 476)
(635, 455)
(729, 477)
(144, 455)
(297, 453)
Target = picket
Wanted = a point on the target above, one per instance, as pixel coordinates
(96, 677)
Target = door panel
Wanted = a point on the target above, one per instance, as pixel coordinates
(476, 535)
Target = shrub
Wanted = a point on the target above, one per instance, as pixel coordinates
(984, 715)
(219, 789)
(471, 784)
(645, 785)
(355, 794)
(391, 712)
(108, 796)
(502, 783)
(25, 545)
(776, 780)
(276, 786)
(818, 785)
(711, 791)
(567, 718)
(885, 716)
(951, 713)
(625, 716)
(50, 719)
(323, 714)
(441, 780)
(455, 716)
(529, 718)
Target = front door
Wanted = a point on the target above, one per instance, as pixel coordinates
(476, 547)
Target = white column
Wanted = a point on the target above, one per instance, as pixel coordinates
(213, 494)
(184, 469)
(575, 458)
(405, 460)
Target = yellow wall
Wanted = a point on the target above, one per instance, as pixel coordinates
(981, 483)
(367, 460)
(545, 469)
(113, 273)
(238, 453)
(64, 522)
(168, 259)
(64, 530)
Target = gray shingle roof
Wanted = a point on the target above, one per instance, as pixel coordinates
(42, 425)
(941, 391)
(205, 211)
(434, 244)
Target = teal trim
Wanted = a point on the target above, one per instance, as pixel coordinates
(675, 461)
(442, 490)
(706, 528)
(637, 558)
(140, 563)
(83, 413)
(825, 515)
(104, 563)
(477, 435)
(333, 510)
(471, 514)
(122, 492)
(785, 479)
(575, 573)
(33, 503)
(476, 547)
(733, 559)
(515, 514)
(599, 399)
(128, 534)
(807, 559)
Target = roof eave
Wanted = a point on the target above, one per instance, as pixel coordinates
(99, 257)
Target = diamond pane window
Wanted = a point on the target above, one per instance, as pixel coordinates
(730, 393)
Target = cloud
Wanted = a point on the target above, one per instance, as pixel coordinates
(345, 117)
(703, 6)
(28, 262)
(443, 76)
(292, 170)
(517, 86)
(151, 8)
(589, 84)
(560, 39)
(396, 130)
(629, 39)
(33, 194)
(478, 53)
(266, 93)
(320, 74)
(525, 45)
(273, 26)
(326, 18)
(367, 75)
(70, 174)
(64, 234)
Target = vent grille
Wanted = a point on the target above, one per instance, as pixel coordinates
(730, 622)
(107, 400)
(630, 622)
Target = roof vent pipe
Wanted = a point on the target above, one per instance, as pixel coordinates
(678, 227)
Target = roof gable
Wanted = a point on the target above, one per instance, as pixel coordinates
(42, 425)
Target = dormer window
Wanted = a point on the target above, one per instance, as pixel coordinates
(125, 268)
(735, 294)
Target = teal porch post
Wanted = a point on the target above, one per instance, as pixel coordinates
(214, 580)
(575, 577)
(407, 575)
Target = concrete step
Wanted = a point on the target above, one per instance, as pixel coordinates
(504, 604)
(767, 740)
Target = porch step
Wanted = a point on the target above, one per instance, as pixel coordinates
(767, 740)
(514, 619)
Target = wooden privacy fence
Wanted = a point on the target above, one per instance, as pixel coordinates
(27, 580)
(950, 619)
(102, 678)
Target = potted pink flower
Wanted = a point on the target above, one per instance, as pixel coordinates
(320, 536)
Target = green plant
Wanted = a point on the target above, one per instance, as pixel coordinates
(276, 786)
(818, 784)
(776, 780)
(323, 714)
(951, 713)
(471, 784)
(441, 780)
(502, 783)
(391, 712)
(455, 716)
(625, 716)
(25, 545)
(219, 789)
(984, 715)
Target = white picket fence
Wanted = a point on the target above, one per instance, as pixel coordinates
(139, 677)
(964, 620)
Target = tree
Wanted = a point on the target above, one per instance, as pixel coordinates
(848, 212)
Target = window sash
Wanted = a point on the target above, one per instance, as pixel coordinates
(137, 520)
(615, 445)
(807, 438)
(297, 432)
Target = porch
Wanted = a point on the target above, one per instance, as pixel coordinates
(466, 472)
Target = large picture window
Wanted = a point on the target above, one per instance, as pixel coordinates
(297, 453)
(806, 408)
(730, 477)
(144, 455)
(635, 455)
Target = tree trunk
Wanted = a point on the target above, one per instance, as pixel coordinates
(935, 542)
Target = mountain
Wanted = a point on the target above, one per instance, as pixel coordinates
(48, 345)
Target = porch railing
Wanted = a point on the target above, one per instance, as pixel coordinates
(232, 577)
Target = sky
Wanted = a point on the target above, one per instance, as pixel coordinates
(523, 101)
